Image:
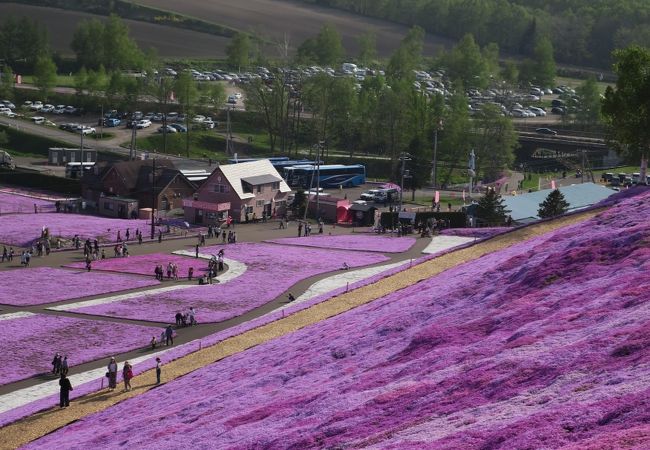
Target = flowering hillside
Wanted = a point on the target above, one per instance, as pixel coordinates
(541, 345)
(271, 270)
(19, 204)
(358, 241)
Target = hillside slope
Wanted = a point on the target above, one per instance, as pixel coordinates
(541, 345)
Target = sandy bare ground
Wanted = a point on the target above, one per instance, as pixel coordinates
(168, 41)
(273, 18)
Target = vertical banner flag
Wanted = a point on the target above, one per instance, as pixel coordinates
(553, 184)
(437, 196)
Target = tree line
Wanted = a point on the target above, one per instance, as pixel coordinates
(583, 32)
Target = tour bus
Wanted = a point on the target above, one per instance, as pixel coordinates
(73, 169)
(325, 176)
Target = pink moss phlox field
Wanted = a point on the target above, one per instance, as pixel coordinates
(271, 269)
(357, 241)
(23, 287)
(145, 264)
(19, 204)
(541, 345)
(479, 233)
(29, 343)
(23, 229)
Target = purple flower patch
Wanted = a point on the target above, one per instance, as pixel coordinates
(358, 241)
(29, 343)
(145, 264)
(22, 287)
(19, 204)
(475, 232)
(543, 344)
(271, 270)
(23, 229)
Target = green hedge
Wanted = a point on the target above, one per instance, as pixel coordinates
(456, 219)
(37, 180)
(26, 143)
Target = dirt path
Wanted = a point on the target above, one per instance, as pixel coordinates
(29, 429)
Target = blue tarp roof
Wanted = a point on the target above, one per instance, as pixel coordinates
(524, 207)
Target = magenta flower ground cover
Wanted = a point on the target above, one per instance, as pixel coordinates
(479, 233)
(23, 229)
(358, 241)
(541, 345)
(35, 286)
(271, 270)
(19, 204)
(145, 264)
(29, 343)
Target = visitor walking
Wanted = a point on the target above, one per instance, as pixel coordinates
(112, 374)
(64, 365)
(158, 370)
(169, 335)
(127, 374)
(56, 363)
(64, 393)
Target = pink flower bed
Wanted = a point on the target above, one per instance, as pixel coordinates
(365, 242)
(145, 264)
(22, 287)
(12, 204)
(271, 270)
(23, 229)
(479, 233)
(29, 343)
(541, 345)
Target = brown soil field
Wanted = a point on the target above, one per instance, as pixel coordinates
(168, 41)
(273, 18)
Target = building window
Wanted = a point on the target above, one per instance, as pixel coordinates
(276, 186)
(221, 188)
(248, 209)
(259, 188)
(108, 206)
(259, 203)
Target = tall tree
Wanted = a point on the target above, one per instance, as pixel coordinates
(45, 75)
(325, 49)
(491, 210)
(588, 108)
(7, 83)
(454, 142)
(466, 64)
(626, 107)
(239, 51)
(22, 42)
(545, 63)
(367, 49)
(187, 95)
(495, 141)
(554, 205)
(407, 57)
(272, 103)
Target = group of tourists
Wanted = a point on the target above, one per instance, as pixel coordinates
(172, 271)
(307, 228)
(127, 374)
(7, 255)
(60, 364)
(187, 318)
(215, 265)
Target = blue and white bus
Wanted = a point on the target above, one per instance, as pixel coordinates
(327, 176)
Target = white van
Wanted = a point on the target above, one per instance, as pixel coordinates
(348, 68)
(38, 120)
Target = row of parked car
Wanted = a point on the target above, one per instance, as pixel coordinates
(624, 179)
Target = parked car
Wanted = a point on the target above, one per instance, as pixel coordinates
(36, 106)
(59, 109)
(209, 123)
(112, 122)
(83, 129)
(369, 195)
(232, 100)
(38, 120)
(546, 131)
(168, 129)
(8, 104)
(143, 123)
(47, 108)
(178, 127)
(558, 110)
(198, 119)
(68, 126)
(70, 110)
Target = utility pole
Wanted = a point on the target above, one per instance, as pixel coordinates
(229, 147)
(471, 170)
(134, 130)
(153, 198)
(434, 167)
(403, 157)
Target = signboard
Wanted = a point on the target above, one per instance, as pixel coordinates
(206, 206)
(407, 215)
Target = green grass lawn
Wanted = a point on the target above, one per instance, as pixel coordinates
(61, 80)
(202, 144)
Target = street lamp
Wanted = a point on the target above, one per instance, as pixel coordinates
(405, 174)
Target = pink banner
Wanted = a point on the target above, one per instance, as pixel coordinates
(553, 184)
(463, 194)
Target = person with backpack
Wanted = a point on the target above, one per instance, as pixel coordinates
(64, 392)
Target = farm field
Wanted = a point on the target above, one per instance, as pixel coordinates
(275, 18)
(543, 344)
(168, 41)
